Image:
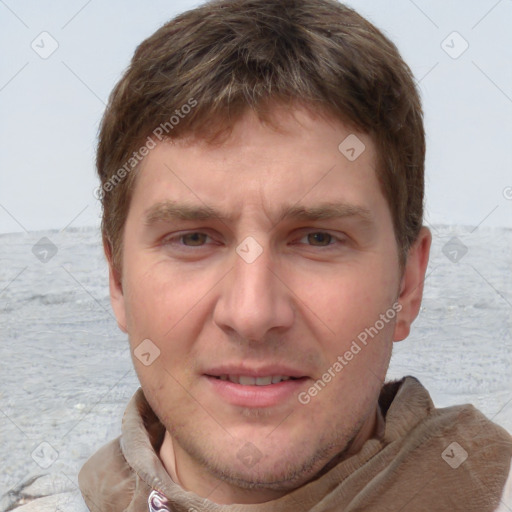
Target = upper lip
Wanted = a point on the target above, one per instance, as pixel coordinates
(253, 371)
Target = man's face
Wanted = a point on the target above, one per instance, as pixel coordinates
(287, 301)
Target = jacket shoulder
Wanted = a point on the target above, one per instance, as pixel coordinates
(106, 480)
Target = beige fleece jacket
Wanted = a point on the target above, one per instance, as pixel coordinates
(425, 459)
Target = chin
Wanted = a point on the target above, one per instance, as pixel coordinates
(279, 475)
(279, 465)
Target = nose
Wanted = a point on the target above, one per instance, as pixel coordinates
(254, 299)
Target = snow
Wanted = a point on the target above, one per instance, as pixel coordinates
(66, 370)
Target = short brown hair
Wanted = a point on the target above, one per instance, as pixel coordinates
(227, 56)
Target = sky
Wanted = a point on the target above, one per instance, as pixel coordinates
(59, 61)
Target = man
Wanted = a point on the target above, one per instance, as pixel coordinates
(261, 167)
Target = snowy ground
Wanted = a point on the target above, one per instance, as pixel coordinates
(66, 372)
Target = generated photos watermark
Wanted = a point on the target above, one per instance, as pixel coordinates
(304, 397)
(158, 135)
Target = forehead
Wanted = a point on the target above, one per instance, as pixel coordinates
(302, 160)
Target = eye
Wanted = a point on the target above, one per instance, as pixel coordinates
(192, 239)
(319, 239)
(196, 239)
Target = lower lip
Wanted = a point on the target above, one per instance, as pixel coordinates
(256, 396)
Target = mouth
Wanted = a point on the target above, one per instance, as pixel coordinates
(247, 380)
(256, 389)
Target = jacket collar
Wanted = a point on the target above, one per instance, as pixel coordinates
(142, 435)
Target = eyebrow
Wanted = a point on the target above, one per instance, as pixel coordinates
(168, 211)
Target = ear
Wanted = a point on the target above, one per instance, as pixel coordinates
(411, 286)
(116, 288)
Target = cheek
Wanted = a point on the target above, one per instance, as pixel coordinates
(156, 298)
(352, 298)
(169, 307)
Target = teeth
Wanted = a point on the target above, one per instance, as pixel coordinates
(263, 381)
(246, 380)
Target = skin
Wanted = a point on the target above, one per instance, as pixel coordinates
(301, 302)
